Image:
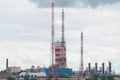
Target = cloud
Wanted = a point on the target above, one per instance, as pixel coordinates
(25, 34)
(96, 3)
(58, 3)
(74, 3)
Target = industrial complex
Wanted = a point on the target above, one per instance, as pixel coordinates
(58, 67)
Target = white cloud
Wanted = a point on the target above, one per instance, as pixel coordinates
(25, 34)
(74, 3)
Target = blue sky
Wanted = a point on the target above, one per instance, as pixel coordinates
(25, 32)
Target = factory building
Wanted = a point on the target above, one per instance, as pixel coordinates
(35, 70)
(31, 75)
(59, 47)
(60, 55)
(99, 70)
(11, 70)
(59, 72)
(14, 70)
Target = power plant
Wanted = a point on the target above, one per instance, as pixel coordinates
(58, 67)
(59, 47)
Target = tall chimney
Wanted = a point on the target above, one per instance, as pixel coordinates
(6, 64)
(110, 67)
(6, 67)
(89, 67)
(103, 68)
(63, 43)
(82, 67)
(96, 67)
(63, 26)
(52, 46)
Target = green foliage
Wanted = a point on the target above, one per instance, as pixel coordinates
(33, 78)
(11, 78)
(56, 79)
(110, 77)
(90, 79)
(49, 78)
(103, 78)
(95, 77)
(26, 77)
(67, 77)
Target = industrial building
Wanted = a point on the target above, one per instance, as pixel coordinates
(60, 49)
(59, 68)
(31, 74)
(35, 70)
(59, 72)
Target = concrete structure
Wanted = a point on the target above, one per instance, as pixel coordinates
(12, 70)
(60, 55)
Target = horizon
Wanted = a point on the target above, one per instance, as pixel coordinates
(25, 32)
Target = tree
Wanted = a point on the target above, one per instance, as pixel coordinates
(56, 78)
(49, 78)
(103, 78)
(11, 78)
(26, 77)
(110, 77)
(33, 78)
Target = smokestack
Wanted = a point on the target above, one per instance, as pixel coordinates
(103, 68)
(82, 67)
(63, 26)
(63, 43)
(6, 65)
(52, 46)
(96, 67)
(110, 67)
(89, 67)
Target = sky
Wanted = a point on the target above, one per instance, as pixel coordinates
(25, 32)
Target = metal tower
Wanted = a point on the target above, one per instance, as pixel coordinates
(63, 43)
(81, 66)
(52, 44)
(63, 26)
